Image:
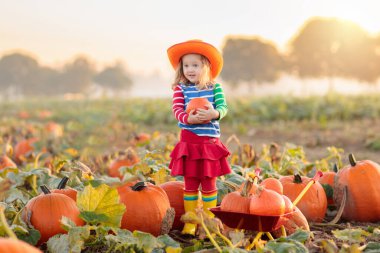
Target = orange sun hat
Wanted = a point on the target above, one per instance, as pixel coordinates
(176, 51)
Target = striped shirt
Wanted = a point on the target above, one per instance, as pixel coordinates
(181, 97)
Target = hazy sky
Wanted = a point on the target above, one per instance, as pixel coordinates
(139, 32)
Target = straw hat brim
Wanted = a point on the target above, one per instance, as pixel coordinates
(176, 51)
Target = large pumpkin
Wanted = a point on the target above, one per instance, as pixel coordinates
(147, 208)
(45, 211)
(175, 191)
(126, 159)
(313, 204)
(16, 246)
(70, 192)
(362, 181)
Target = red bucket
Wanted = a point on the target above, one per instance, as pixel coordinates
(251, 221)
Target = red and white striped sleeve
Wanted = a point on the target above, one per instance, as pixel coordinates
(179, 105)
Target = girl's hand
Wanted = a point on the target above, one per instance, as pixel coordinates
(208, 114)
(194, 118)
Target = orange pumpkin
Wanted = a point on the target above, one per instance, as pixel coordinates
(361, 178)
(128, 159)
(197, 103)
(238, 201)
(16, 246)
(23, 149)
(289, 207)
(267, 203)
(295, 222)
(327, 182)
(55, 130)
(272, 184)
(46, 210)
(146, 207)
(175, 190)
(142, 138)
(313, 204)
(6, 162)
(69, 192)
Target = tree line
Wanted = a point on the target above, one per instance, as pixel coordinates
(25, 76)
(322, 48)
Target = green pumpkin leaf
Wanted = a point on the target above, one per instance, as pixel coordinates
(351, 235)
(328, 190)
(284, 245)
(300, 236)
(146, 241)
(31, 237)
(58, 244)
(372, 247)
(169, 242)
(101, 205)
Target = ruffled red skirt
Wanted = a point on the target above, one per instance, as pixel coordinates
(199, 156)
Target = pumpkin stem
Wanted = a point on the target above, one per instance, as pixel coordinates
(352, 159)
(246, 188)
(297, 179)
(335, 168)
(63, 183)
(45, 189)
(139, 186)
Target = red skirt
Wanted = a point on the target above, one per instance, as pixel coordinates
(199, 156)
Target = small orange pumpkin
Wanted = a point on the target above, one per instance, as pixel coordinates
(273, 184)
(69, 192)
(146, 208)
(197, 103)
(46, 210)
(175, 190)
(361, 178)
(238, 201)
(24, 148)
(327, 182)
(267, 203)
(313, 204)
(6, 162)
(54, 129)
(16, 246)
(128, 159)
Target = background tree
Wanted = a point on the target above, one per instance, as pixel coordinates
(332, 47)
(250, 60)
(76, 76)
(114, 78)
(18, 71)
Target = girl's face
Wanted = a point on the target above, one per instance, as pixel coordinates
(192, 67)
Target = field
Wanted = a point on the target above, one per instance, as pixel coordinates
(281, 135)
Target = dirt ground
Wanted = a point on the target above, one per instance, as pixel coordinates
(354, 137)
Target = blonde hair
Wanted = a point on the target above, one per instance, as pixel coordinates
(205, 80)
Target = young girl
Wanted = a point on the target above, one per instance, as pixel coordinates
(199, 155)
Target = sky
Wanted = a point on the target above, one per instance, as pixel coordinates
(138, 32)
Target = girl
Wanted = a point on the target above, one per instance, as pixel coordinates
(199, 156)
